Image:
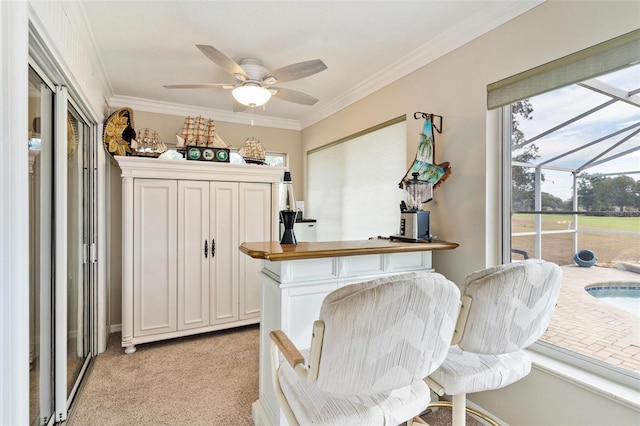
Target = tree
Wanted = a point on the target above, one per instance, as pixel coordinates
(522, 178)
(623, 192)
(598, 193)
(550, 201)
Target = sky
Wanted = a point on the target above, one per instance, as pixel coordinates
(554, 108)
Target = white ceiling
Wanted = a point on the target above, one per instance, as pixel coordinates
(366, 45)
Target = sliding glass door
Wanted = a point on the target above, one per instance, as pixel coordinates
(62, 266)
(78, 248)
(40, 250)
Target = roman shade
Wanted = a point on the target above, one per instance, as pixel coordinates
(600, 59)
(353, 183)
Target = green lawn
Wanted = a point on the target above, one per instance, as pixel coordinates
(553, 222)
(622, 244)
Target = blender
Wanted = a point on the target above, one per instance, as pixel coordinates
(414, 222)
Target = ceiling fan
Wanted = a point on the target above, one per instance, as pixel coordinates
(254, 83)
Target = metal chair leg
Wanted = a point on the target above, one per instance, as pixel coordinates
(472, 411)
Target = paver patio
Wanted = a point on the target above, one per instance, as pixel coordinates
(593, 327)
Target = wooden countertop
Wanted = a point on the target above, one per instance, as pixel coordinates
(274, 251)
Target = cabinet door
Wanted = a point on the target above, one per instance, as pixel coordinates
(255, 225)
(223, 264)
(155, 256)
(194, 248)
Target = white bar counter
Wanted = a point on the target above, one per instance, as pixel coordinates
(296, 279)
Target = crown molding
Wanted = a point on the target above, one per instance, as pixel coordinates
(160, 107)
(456, 36)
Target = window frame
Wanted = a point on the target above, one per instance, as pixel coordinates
(590, 365)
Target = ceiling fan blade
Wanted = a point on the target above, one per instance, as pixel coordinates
(293, 96)
(238, 107)
(200, 86)
(295, 71)
(222, 60)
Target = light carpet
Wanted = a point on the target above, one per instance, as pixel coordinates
(207, 379)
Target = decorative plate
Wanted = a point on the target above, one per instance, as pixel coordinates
(118, 132)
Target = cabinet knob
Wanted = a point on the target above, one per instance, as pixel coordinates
(205, 249)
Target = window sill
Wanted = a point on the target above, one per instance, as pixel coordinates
(606, 387)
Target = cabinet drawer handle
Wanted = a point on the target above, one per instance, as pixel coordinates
(205, 249)
(213, 247)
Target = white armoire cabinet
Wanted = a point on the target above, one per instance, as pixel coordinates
(183, 222)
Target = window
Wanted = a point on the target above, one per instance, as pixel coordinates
(352, 183)
(275, 159)
(573, 183)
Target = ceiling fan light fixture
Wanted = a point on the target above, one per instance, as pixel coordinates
(251, 95)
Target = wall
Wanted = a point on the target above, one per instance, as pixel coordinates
(559, 397)
(272, 139)
(466, 208)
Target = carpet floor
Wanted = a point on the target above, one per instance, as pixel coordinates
(207, 379)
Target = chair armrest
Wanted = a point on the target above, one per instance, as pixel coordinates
(434, 386)
(461, 322)
(287, 348)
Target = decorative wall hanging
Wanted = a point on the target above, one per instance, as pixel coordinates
(424, 163)
(118, 132)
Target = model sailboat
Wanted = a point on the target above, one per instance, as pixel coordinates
(147, 144)
(199, 131)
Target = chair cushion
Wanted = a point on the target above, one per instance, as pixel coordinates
(512, 305)
(312, 406)
(467, 372)
(387, 333)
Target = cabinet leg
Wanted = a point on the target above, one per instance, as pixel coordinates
(130, 349)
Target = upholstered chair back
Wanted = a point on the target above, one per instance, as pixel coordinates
(511, 306)
(387, 333)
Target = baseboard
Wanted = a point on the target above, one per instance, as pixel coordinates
(115, 328)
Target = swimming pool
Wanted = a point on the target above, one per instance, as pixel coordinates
(626, 296)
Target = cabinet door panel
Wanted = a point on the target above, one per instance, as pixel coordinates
(155, 254)
(223, 264)
(255, 225)
(193, 261)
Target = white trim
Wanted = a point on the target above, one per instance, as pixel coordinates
(613, 374)
(60, 254)
(115, 328)
(102, 203)
(45, 251)
(504, 119)
(14, 226)
(160, 107)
